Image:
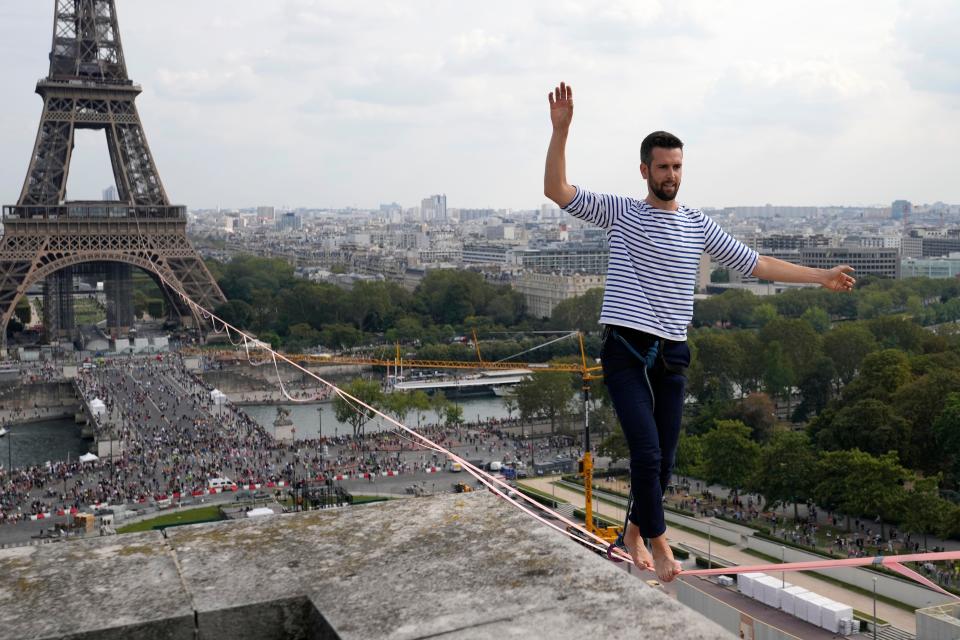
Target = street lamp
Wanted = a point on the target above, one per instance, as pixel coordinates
(783, 553)
(874, 609)
(320, 417)
(709, 545)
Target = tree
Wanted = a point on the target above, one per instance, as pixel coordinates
(787, 469)
(750, 367)
(602, 419)
(894, 332)
(615, 446)
(758, 412)
(545, 394)
(712, 311)
(764, 314)
(302, 336)
(453, 414)
(729, 455)
(449, 295)
(419, 402)
(815, 387)
(921, 402)
(923, 511)
(882, 373)
(778, 375)
(847, 345)
(873, 304)
(817, 318)
(510, 404)
(798, 340)
(398, 404)
(869, 425)
(857, 483)
(439, 404)
(580, 312)
(946, 432)
(689, 457)
(719, 356)
(720, 276)
(236, 312)
(340, 336)
(350, 412)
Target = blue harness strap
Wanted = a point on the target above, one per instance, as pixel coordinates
(649, 359)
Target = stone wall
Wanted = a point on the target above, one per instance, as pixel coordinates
(463, 566)
(38, 401)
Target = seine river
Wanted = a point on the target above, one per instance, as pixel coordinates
(36, 443)
(306, 419)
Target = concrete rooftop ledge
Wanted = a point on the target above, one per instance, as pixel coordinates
(463, 566)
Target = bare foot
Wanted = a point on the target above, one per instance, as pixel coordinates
(663, 562)
(636, 547)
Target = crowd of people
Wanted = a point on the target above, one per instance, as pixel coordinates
(168, 436)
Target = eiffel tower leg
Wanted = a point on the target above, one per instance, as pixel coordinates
(119, 292)
(58, 313)
(65, 306)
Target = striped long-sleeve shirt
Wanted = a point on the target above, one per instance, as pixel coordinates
(654, 256)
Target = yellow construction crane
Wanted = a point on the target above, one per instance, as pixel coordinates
(587, 374)
(609, 534)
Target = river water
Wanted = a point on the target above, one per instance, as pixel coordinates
(306, 419)
(35, 443)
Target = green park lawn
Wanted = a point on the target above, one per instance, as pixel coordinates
(188, 516)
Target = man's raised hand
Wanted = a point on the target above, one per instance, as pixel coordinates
(561, 106)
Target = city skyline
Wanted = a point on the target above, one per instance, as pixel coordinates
(398, 102)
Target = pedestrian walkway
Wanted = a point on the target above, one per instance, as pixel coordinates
(896, 616)
(824, 517)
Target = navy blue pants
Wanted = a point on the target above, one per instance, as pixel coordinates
(651, 423)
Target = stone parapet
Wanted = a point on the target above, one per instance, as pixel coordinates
(464, 566)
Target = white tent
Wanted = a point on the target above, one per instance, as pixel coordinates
(88, 457)
(97, 407)
(259, 512)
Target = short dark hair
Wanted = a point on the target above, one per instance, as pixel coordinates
(660, 139)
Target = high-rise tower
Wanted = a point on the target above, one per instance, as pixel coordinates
(49, 238)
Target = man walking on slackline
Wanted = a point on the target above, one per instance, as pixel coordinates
(655, 249)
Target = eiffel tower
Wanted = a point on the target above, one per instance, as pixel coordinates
(51, 239)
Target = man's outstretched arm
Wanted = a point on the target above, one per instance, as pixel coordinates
(836, 279)
(555, 185)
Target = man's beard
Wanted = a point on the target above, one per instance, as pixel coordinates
(661, 193)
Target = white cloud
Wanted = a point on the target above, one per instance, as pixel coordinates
(321, 102)
(929, 29)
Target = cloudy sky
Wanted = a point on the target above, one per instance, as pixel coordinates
(333, 103)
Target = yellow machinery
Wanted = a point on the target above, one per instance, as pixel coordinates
(585, 468)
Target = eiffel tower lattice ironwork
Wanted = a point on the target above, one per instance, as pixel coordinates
(44, 235)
